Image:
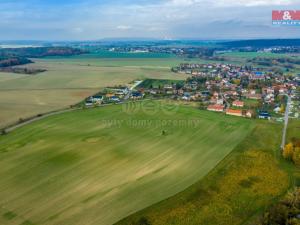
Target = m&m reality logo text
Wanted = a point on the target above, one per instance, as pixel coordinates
(286, 17)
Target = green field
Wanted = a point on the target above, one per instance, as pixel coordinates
(69, 80)
(250, 55)
(156, 83)
(242, 58)
(238, 190)
(97, 166)
(110, 59)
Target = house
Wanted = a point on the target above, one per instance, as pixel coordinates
(268, 90)
(216, 94)
(96, 99)
(180, 91)
(109, 95)
(264, 115)
(168, 86)
(219, 101)
(257, 76)
(153, 91)
(234, 112)
(238, 103)
(230, 93)
(120, 93)
(89, 103)
(186, 96)
(283, 90)
(277, 109)
(115, 99)
(254, 96)
(269, 98)
(216, 108)
(249, 114)
(136, 95)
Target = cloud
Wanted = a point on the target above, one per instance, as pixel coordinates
(77, 30)
(231, 3)
(123, 27)
(251, 3)
(78, 19)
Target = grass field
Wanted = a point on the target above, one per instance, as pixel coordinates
(8, 76)
(250, 55)
(237, 191)
(127, 60)
(69, 80)
(95, 167)
(156, 83)
(21, 104)
(241, 58)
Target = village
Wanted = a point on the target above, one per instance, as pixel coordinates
(225, 88)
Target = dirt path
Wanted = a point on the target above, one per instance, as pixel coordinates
(13, 127)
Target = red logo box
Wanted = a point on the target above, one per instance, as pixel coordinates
(285, 15)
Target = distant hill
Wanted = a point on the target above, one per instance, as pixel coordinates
(19, 56)
(7, 62)
(262, 43)
(38, 52)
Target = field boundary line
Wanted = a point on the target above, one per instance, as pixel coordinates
(9, 128)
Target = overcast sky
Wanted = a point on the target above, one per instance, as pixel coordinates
(162, 19)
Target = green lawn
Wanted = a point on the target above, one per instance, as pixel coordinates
(97, 166)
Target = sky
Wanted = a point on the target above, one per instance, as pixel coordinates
(159, 19)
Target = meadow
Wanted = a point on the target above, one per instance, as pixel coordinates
(241, 58)
(69, 80)
(250, 55)
(97, 166)
(237, 191)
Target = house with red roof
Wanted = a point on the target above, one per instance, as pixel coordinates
(216, 108)
(234, 112)
(238, 103)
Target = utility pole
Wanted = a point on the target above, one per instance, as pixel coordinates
(286, 121)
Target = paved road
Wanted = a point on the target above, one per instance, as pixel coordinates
(286, 121)
(137, 83)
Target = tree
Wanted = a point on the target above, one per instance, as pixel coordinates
(288, 151)
(278, 214)
(282, 109)
(144, 221)
(296, 156)
(296, 141)
(237, 81)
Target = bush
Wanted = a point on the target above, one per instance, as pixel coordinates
(292, 151)
(286, 212)
(144, 221)
(296, 156)
(288, 151)
(3, 132)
